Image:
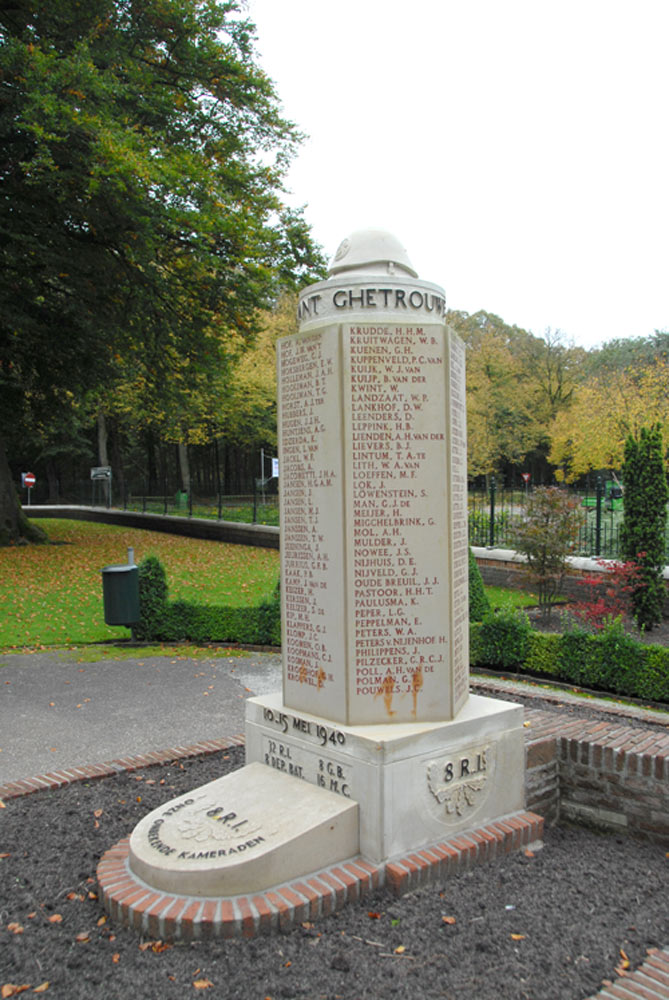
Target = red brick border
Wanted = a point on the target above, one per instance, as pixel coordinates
(649, 982)
(133, 903)
(134, 762)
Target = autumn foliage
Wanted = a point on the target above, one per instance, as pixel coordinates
(546, 536)
(609, 594)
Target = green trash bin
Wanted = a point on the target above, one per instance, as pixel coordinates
(120, 592)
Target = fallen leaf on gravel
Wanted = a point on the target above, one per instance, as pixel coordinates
(98, 813)
(203, 984)
(74, 895)
(55, 918)
(116, 957)
(400, 948)
(159, 946)
(374, 916)
(11, 990)
(32, 915)
(517, 937)
(626, 961)
(15, 928)
(82, 937)
(42, 988)
(5, 854)
(101, 921)
(145, 945)
(448, 920)
(528, 853)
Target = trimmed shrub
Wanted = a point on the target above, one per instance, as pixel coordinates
(543, 655)
(479, 605)
(173, 621)
(610, 661)
(503, 639)
(653, 683)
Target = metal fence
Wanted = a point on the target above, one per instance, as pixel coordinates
(493, 514)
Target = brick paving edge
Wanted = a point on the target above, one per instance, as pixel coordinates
(108, 768)
(650, 981)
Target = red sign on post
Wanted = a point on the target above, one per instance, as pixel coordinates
(526, 477)
(29, 479)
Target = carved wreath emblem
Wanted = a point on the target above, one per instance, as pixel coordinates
(456, 799)
(212, 822)
(458, 781)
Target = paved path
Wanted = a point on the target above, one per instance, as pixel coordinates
(58, 711)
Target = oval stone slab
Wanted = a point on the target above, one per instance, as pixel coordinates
(244, 832)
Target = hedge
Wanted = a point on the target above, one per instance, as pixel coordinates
(610, 661)
(163, 620)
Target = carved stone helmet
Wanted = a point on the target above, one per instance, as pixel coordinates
(372, 250)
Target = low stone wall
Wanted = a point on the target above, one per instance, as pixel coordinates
(506, 568)
(603, 774)
(234, 532)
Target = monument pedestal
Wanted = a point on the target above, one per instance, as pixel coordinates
(414, 783)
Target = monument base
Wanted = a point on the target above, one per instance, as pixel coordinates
(414, 784)
(242, 833)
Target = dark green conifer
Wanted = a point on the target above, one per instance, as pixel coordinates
(645, 518)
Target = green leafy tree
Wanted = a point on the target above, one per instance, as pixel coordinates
(645, 519)
(143, 157)
(546, 536)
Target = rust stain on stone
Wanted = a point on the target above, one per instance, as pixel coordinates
(387, 689)
(416, 685)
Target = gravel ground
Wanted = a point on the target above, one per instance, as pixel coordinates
(548, 926)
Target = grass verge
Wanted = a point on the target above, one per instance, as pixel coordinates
(52, 594)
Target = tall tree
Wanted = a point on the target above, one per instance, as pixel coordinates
(501, 413)
(645, 520)
(609, 406)
(143, 155)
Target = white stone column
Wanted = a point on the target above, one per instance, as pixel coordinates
(372, 448)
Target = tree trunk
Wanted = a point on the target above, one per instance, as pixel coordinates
(103, 456)
(184, 467)
(14, 525)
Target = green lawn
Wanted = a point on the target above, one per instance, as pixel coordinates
(52, 594)
(504, 597)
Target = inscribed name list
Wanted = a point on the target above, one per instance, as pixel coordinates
(373, 550)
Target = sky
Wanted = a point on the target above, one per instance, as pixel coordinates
(517, 148)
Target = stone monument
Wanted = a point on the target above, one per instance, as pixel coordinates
(374, 555)
(374, 745)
